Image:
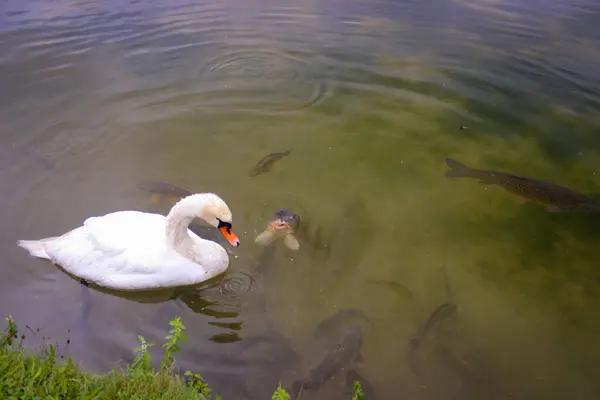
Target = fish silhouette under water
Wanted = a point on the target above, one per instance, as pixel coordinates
(265, 164)
(442, 311)
(339, 357)
(173, 192)
(282, 225)
(556, 198)
(337, 320)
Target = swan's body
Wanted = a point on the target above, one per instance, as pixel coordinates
(132, 250)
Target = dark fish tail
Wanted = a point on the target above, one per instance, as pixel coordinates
(458, 170)
(254, 172)
(414, 343)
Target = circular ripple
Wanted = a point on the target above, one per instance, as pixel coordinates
(236, 284)
(263, 80)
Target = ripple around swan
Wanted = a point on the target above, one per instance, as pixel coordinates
(262, 79)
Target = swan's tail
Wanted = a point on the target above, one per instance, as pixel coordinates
(36, 248)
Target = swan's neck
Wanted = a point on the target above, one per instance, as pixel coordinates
(179, 219)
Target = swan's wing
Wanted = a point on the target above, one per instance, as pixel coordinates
(115, 232)
(116, 243)
(125, 250)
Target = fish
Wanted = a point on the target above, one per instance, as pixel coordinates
(396, 287)
(442, 311)
(265, 164)
(173, 192)
(339, 356)
(469, 366)
(282, 225)
(556, 198)
(336, 320)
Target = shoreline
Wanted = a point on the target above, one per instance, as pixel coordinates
(27, 375)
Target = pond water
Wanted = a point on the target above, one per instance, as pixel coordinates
(369, 97)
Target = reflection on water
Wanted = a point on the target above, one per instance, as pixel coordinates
(370, 98)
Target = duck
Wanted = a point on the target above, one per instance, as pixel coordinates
(134, 250)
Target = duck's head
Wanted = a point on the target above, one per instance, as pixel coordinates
(215, 211)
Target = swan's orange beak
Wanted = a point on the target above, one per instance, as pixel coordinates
(225, 229)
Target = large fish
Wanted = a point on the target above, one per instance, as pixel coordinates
(171, 192)
(338, 320)
(282, 225)
(265, 164)
(339, 357)
(442, 311)
(556, 198)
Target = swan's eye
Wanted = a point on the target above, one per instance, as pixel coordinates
(224, 226)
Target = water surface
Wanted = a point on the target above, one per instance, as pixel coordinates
(369, 97)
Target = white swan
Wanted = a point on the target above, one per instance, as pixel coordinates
(133, 250)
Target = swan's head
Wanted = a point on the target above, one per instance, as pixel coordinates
(216, 212)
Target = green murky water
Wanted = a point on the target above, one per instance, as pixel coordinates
(369, 97)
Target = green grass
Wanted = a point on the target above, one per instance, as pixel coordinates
(27, 375)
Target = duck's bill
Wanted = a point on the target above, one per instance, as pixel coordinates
(225, 229)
